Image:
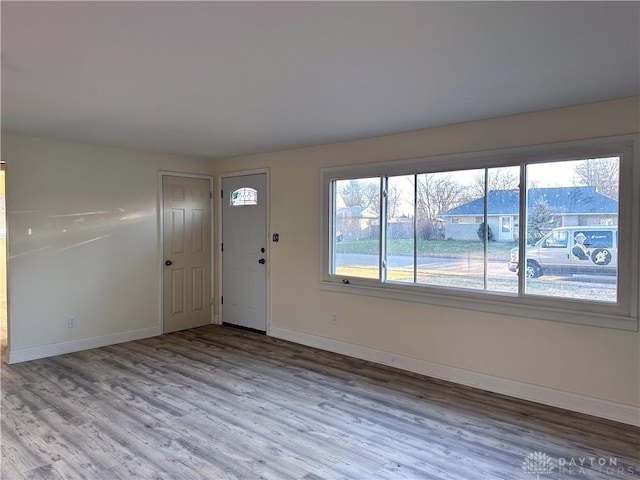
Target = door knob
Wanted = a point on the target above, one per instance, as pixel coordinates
(261, 261)
(168, 263)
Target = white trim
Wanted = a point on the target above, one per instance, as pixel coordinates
(161, 174)
(43, 351)
(576, 402)
(258, 171)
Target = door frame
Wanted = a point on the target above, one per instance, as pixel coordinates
(7, 320)
(166, 173)
(502, 235)
(267, 196)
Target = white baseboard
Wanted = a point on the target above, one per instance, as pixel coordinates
(42, 351)
(598, 407)
(216, 320)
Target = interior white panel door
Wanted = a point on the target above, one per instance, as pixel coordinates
(244, 244)
(186, 204)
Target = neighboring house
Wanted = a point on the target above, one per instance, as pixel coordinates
(356, 223)
(568, 205)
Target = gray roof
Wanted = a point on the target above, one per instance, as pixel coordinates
(561, 201)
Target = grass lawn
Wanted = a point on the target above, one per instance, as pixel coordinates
(553, 287)
(431, 248)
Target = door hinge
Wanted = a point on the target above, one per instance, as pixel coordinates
(221, 300)
(221, 193)
(222, 247)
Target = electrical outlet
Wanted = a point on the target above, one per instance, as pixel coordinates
(72, 322)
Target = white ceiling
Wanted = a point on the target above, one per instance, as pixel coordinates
(221, 79)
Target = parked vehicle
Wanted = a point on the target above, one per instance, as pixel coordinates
(572, 250)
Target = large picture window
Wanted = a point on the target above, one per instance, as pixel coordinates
(448, 231)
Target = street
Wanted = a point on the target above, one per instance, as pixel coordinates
(468, 273)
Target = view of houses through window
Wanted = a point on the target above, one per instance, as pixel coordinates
(461, 229)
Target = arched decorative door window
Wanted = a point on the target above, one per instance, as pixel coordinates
(243, 197)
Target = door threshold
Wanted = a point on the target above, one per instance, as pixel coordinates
(247, 329)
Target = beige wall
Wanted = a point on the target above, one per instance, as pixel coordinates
(596, 362)
(104, 269)
(83, 238)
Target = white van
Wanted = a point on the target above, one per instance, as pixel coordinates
(572, 250)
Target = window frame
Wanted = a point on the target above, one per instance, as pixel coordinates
(621, 315)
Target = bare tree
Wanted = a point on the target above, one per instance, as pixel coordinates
(366, 194)
(436, 193)
(393, 201)
(360, 193)
(499, 179)
(602, 173)
(372, 196)
(371, 193)
(351, 193)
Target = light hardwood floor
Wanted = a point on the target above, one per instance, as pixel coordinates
(220, 403)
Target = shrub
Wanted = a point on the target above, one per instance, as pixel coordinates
(490, 235)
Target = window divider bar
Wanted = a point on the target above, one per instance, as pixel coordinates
(415, 228)
(522, 229)
(332, 226)
(486, 228)
(384, 182)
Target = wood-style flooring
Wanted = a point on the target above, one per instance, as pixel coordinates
(220, 403)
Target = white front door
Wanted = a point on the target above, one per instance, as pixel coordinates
(186, 205)
(244, 251)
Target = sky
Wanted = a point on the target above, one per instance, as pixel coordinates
(541, 175)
